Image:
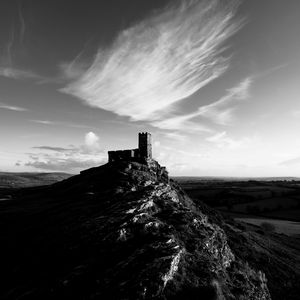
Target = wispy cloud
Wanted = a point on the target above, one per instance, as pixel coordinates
(22, 23)
(74, 69)
(176, 136)
(272, 70)
(160, 61)
(181, 123)
(295, 113)
(56, 149)
(57, 123)
(9, 46)
(220, 112)
(13, 47)
(11, 107)
(222, 140)
(45, 122)
(291, 162)
(15, 73)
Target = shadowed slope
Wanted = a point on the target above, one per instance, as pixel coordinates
(120, 231)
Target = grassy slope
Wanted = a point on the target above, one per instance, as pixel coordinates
(280, 226)
(19, 180)
(277, 255)
(277, 199)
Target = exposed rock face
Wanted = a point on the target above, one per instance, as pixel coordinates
(130, 233)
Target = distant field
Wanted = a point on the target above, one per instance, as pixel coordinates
(20, 180)
(281, 226)
(197, 179)
(276, 203)
(266, 198)
(293, 214)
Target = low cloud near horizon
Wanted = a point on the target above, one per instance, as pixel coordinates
(69, 159)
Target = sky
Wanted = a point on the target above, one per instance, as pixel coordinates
(216, 82)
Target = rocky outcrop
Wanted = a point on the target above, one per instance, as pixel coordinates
(128, 232)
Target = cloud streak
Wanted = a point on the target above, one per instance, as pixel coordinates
(57, 123)
(15, 73)
(222, 140)
(220, 111)
(160, 61)
(9, 45)
(56, 149)
(11, 107)
(291, 162)
(13, 48)
(22, 23)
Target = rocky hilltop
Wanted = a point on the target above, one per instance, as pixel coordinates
(120, 231)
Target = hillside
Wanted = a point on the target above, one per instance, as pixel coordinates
(20, 180)
(125, 231)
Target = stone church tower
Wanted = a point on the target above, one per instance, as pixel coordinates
(145, 146)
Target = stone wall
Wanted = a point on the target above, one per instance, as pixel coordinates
(123, 155)
(144, 152)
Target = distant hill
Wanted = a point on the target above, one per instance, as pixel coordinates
(20, 180)
(220, 178)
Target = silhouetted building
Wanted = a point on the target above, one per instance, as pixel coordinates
(144, 151)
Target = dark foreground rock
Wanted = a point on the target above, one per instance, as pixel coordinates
(120, 231)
